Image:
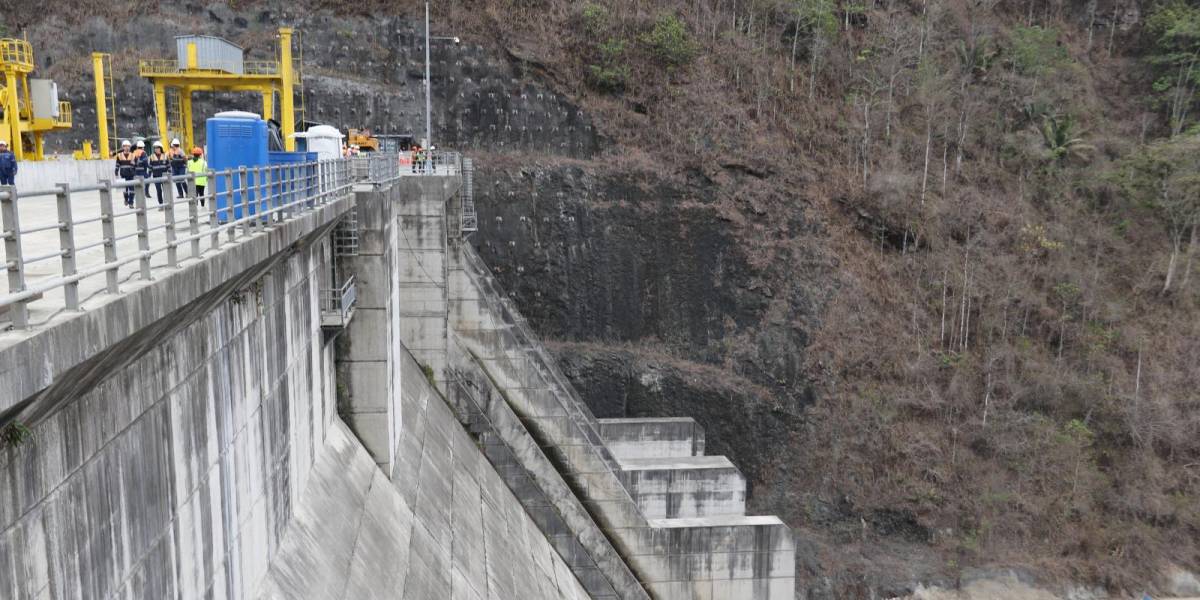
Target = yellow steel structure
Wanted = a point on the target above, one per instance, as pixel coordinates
(106, 111)
(19, 127)
(266, 77)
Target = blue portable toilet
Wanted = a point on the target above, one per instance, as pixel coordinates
(293, 181)
(235, 139)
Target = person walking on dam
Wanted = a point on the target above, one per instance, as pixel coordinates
(179, 162)
(8, 165)
(141, 164)
(126, 169)
(159, 164)
(199, 167)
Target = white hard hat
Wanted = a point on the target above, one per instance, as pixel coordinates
(157, 144)
(175, 142)
(3, 143)
(124, 143)
(141, 144)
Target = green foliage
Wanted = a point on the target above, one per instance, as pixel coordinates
(1060, 138)
(975, 58)
(14, 434)
(1165, 177)
(1077, 432)
(1035, 51)
(670, 42)
(596, 18)
(1066, 291)
(1174, 28)
(429, 376)
(817, 18)
(611, 72)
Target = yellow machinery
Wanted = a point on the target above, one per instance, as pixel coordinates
(363, 139)
(31, 106)
(214, 65)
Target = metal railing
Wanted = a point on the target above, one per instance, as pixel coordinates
(337, 304)
(18, 53)
(170, 66)
(379, 167)
(470, 219)
(64, 114)
(235, 203)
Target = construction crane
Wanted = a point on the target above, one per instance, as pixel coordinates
(211, 64)
(31, 106)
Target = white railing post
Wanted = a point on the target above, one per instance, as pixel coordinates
(143, 228)
(108, 229)
(193, 215)
(66, 244)
(19, 313)
(169, 222)
(244, 199)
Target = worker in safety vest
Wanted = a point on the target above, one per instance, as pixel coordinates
(199, 167)
(416, 157)
(8, 165)
(179, 162)
(141, 164)
(159, 164)
(126, 169)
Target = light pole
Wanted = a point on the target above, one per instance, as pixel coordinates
(428, 102)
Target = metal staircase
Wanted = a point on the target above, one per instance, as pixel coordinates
(470, 219)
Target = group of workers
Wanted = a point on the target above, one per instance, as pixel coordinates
(134, 162)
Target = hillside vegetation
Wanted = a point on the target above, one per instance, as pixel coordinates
(1009, 196)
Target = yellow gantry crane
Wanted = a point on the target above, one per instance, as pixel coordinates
(211, 64)
(31, 106)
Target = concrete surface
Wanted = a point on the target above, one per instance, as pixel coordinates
(44, 175)
(444, 526)
(170, 464)
(32, 360)
(652, 437)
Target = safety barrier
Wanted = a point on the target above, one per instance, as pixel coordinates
(337, 304)
(251, 198)
(380, 167)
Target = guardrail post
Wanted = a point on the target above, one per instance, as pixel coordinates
(18, 312)
(269, 198)
(244, 197)
(230, 216)
(109, 231)
(143, 228)
(66, 244)
(169, 222)
(193, 215)
(213, 221)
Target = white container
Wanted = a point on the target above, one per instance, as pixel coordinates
(43, 93)
(326, 141)
(212, 53)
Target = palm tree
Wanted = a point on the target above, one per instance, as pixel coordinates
(1060, 138)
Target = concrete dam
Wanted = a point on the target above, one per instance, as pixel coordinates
(331, 398)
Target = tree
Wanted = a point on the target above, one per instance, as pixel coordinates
(1175, 29)
(1058, 133)
(817, 20)
(1165, 177)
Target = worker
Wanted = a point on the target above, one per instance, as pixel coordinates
(126, 169)
(199, 168)
(179, 162)
(416, 157)
(141, 165)
(159, 164)
(8, 165)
